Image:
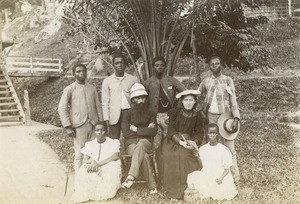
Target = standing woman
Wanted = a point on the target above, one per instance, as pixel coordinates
(175, 158)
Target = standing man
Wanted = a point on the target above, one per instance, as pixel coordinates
(115, 95)
(79, 110)
(162, 91)
(138, 127)
(220, 97)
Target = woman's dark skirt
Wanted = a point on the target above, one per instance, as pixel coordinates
(174, 163)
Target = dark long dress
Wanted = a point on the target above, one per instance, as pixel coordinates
(174, 161)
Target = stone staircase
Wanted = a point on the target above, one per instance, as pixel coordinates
(11, 111)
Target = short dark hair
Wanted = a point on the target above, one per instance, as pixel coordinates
(78, 65)
(213, 125)
(158, 58)
(217, 57)
(117, 54)
(103, 123)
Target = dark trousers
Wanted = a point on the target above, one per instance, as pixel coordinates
(115, 130)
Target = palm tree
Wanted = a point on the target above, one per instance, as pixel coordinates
(146, 28)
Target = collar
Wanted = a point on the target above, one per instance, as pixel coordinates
(212, 76)
(114, 76)
(80, 84)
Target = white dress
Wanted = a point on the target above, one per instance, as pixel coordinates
(103, 184)
(214, 160)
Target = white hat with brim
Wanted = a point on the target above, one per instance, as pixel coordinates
(224, 123)
(188, 92)
(136, 90)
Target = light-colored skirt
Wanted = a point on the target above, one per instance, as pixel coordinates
(205, 183)
(98, 186)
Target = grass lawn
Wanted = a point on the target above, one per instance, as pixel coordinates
(267, 155)
(268, 159)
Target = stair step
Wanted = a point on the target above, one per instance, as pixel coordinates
(10, 117)
(8, 104)
(10, 107)
(5, 92)
(10, 110)
(6, 98)
(11, 123)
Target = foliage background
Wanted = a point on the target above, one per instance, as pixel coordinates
(268, 151)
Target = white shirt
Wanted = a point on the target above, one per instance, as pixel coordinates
(100, 151)
(124, 103)
(213, 108)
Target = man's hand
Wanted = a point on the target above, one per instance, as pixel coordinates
(234, 125)
(70, 132)
(167, 120)
(151, 125)
(133, 128)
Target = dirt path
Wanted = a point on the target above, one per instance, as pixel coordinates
(30, 171)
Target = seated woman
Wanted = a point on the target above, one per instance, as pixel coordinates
(99, 177)
(214, 180)
(175, 158)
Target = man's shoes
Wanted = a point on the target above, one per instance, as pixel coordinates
(153, 191)
(127, 183)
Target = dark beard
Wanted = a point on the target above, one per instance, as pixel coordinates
(141, 107)
(141, 110)
(159, 75)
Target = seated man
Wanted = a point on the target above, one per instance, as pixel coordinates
(139, 126)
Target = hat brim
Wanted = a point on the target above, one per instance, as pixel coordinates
(225, 134)
(140, 93)
(188, 92)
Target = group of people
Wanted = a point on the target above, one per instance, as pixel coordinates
(161, 114)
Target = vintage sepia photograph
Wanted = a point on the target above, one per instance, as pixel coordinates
(150, 101)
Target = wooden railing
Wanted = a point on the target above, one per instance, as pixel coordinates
(279, 10)
(33, 66)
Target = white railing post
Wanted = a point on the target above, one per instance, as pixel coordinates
(60, 65)
(290, 8)
(27, 108)
(31, 65)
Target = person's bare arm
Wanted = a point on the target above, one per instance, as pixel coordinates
(85, 159)
(220, 179)
(114, 157)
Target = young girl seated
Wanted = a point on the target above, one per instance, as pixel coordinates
(214, 179)
(99, 177)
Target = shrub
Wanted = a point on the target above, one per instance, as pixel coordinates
(279, 30)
